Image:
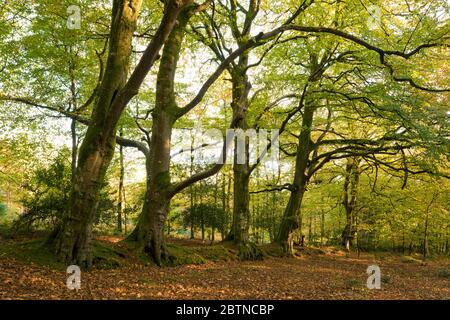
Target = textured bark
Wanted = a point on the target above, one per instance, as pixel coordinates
(241, 211)
(149, 230)
(241, 171)
(290, 220)
(74, 235)
(305, 146)
(239, 232)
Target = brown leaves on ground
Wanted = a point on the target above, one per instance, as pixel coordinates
(308, 276)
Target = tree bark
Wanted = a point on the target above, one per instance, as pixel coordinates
(290, 220)
(148, 232)
(73, 239)
(241, 171)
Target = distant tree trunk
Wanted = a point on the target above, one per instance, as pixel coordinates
(121, 181)
(216, 206)
(73, 106)
(300, 228)
(403, 242)
(228, 203)
(224, 205)
(322, 228)
(192, 189)
(271, 218)
(202, 223)
(446, 245)
(426, 249)
(73, 131)
(310, 231)
(192, 229)
(350, 197)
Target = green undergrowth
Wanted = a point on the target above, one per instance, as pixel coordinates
(108, 255)
(105, 255)
(31, 251)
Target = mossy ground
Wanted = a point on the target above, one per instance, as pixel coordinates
(109, 254)
(31, 251)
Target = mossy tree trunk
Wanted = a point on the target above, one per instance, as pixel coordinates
(241, 169)
(73, 238)
(149, 231)
(303, 169)
(290, 220)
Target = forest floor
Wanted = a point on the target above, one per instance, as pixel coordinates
(326, 273)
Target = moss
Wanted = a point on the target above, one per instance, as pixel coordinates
(443, 273)
(351, 283)
(31, 251)
(217, 253)
(409, 259)
(108, 256)
(5, 230)
(163, 179)
(250, 251)
(148, 282)
(273, 250)
(386, 279)
(181, 256)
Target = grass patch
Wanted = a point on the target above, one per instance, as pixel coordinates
(148, 282)
(352, 283)
(311, 251)
(5, 230)
(273, 250)
(386, 279)
(105, 255)
(182, 255)
(409, 259)
(216, 253)
(250, 252)
(108, 256)
(443, 273)
(31, 251)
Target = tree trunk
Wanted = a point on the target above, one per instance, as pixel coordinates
(74, 236)
(241, 211)
(322, 227)
(241, 171)
(149, 230)
(97, 148)
(202, 223)
(121, 181)
(426, 249)
(290, 220)
(350, 197)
